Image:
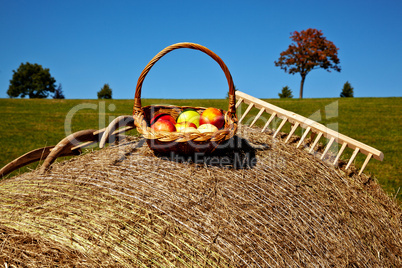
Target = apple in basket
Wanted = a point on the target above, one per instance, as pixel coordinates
(162, 116)
(189, 115)
(212, 116)
(189, 130)
(183, 125)
(207, 128)
(163, 125)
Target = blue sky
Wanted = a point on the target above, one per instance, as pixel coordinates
(86, 44)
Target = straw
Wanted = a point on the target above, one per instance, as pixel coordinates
(263, 203)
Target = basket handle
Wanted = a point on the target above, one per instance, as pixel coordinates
(232, 99)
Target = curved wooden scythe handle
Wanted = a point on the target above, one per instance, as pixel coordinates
(126, 121)
(66, 147)
(31, 157)
(69, 146)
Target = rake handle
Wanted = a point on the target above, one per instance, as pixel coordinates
(232, 98)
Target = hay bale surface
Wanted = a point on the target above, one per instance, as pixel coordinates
(122, 206)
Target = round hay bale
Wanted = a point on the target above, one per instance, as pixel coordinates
(264, 204)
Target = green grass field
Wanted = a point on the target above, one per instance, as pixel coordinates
(28, 124)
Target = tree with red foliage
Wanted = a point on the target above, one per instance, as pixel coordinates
(310, 51)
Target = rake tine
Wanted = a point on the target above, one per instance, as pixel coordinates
(353, 157)
(280, 126)
(239, 102)
(340, 153)
(315, 142)
(365, 163)
(246, 112)
(327, 148)
(296, 125)
(269, 121)
(258, 116)
(304, 136)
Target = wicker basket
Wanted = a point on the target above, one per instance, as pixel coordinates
(178, 142)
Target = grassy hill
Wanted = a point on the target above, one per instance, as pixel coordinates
(28, 124)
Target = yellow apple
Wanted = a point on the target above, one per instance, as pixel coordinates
(182, 125)
(189, 116)
(189, 130)
(207, 128)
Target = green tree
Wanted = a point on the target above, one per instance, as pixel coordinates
(286, 93)
(310, 51)
(58, 93)
(347, 91)
(32, 80)
(105, 92)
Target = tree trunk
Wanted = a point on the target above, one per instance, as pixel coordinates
(302, 85)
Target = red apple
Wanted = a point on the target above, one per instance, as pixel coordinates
(163, 116)
(212, 116)
(184, 124)
(163, 125)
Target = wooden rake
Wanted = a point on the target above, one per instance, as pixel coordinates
(318, 130)
(71, 145)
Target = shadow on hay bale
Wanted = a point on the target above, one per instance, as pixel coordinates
(235, 153)
(124, 207)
